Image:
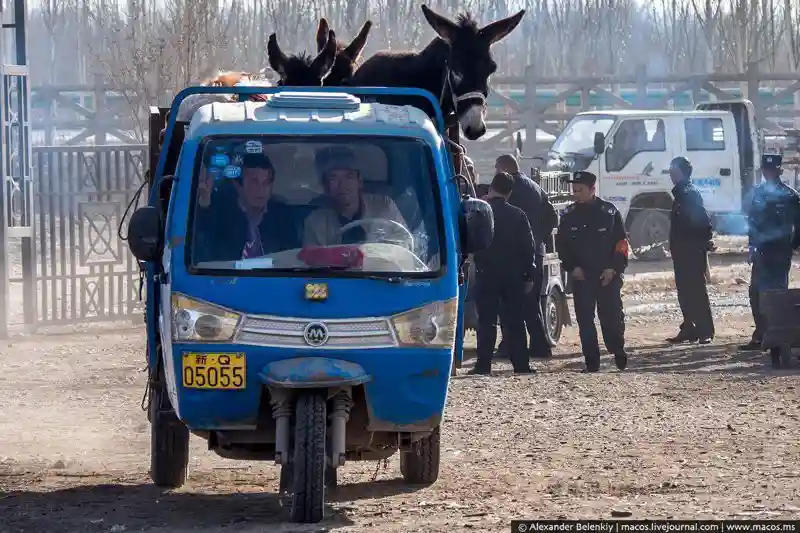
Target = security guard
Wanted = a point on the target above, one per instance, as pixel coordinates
(504, 277)
(689, 242)
(773, 214)
(593, 247)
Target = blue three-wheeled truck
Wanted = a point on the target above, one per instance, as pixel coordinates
(275, 332)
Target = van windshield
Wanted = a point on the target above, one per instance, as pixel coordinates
(354, 205)
(578, 136)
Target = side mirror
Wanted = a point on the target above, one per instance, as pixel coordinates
(476, 225)
(599, 143)
(145, 233)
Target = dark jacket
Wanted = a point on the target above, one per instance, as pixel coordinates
(592, 236)
(223, 231)
(510, 257)
(542, 216)
(690, 224)
(773, 215)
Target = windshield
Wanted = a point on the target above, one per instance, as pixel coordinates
(578, 136)
(360, 205)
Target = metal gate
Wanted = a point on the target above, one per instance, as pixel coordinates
(84, 271)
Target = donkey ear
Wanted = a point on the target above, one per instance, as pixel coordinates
(355, 48)
(323, 63)
(499, 29)
(322, 34)
(277, 59)
(443, 26)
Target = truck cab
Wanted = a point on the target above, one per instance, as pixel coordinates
(630, 150)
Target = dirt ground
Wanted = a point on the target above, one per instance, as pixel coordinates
(685, 432)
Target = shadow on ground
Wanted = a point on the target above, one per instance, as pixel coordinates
(141, 507)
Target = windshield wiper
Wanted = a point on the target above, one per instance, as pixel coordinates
(343, 268)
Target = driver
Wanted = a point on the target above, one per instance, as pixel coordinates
(343, 186)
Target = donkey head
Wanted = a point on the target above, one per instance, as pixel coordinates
(470, 63)
(345, 64)
(302, 70)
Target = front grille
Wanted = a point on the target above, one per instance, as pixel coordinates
(350, 333)
(553, 183)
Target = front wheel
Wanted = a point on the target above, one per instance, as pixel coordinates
(553, 316)
(169, 441)
(420, 465)
(649, 234)
(308, 491)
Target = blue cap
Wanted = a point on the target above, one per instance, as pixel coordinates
(772, 161)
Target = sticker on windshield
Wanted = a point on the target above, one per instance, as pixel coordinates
(253, 147)
(220, 160)
(214, 173)
(233, 172)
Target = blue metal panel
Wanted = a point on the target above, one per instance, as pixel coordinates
(313, 372)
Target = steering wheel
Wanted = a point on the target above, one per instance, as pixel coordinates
(385, 221)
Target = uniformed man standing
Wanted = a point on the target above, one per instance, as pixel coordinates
(504, 277)
(689, 243)
(773, 214)
(593, 247)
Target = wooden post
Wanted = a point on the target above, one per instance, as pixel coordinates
(531, 119)
(100, 134)
(753, 84)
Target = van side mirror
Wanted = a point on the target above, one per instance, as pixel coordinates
(145, 233)
(476, 225)
(599, 143)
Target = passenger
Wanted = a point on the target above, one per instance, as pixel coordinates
(256, 224)
(343, 186)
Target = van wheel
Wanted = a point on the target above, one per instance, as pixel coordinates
(420, 465)
(169, 440)
(650, 227)
(309, 465)
(553, 317)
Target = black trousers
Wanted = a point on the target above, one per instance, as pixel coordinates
(499, 296)
(589, 295)
(770, 271)
(534, 321)
(689, 264)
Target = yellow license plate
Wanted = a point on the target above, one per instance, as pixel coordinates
(214, 371)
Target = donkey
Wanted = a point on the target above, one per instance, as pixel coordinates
(302, 70)
(347, 57)
(455, 66)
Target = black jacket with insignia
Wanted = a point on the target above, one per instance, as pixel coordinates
(592, 236)
(511, 254)
(773, 215)
(689, 220)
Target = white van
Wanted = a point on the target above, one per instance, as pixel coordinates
(630, 150)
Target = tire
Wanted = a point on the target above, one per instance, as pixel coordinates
(420, 465)
(553, 317)
(169, 441)
(309, 465)
(648, 227)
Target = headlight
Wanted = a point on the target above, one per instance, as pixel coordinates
(431, 326)
(193, 320)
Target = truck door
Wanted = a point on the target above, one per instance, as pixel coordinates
(747, 139)
(635, 160)
(711, 148)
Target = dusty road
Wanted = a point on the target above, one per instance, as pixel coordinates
(684, 432)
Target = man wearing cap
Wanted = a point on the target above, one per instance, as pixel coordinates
(689, 243)
(593, 247)
(504, 276)
(252, 225)
(343, 184)
(773, 215)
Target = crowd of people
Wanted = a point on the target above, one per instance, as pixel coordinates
(593, 248)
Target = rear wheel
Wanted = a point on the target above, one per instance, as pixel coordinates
(309, 465)
(420, 465)
(650, 228)
(169, 440)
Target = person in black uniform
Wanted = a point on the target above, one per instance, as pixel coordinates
(689, 243)
(593, 247)
(773, 214)
(504, 276)
(542, 216)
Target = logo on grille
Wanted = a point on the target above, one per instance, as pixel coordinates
(315, 334)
